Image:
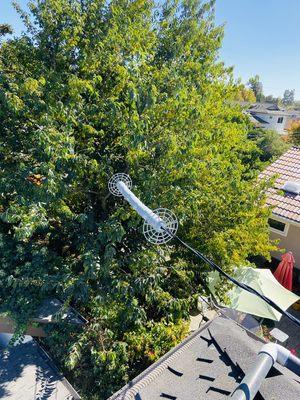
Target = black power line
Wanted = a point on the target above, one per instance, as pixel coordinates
(233, 280)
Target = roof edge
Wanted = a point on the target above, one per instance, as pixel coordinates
(50, 362)
(124, 394)
(159, 363)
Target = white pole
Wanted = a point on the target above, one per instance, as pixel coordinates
(154, 220)
(160, 225)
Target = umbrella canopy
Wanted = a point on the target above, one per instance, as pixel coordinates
(284, 271)
(264, 282)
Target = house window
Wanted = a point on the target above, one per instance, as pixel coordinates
(280, 120)
(278, 226)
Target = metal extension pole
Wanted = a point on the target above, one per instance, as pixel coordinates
(266, 358)
(160, 225)
(254, 378)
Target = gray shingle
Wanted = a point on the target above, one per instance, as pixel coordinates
(272, 109)
(208, 365)
(26, 373)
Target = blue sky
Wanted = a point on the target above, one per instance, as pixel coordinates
(261, 37)
(9, 15)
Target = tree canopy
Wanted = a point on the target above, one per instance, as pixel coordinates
(5, 29)
(256, 86)
(270, 144)
(294, 132)
(245, 94)
(288, 97)
(96, 87)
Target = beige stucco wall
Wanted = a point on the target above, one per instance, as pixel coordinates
(290, 243)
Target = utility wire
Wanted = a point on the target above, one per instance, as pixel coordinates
(233, 280)
(118, 185)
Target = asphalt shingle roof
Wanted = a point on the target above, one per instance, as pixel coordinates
(256, 118)
(26, 373)
(272, 109)
(287, 167)
(208, 365)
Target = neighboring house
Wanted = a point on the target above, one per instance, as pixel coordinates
(209, 365)
(27, 373)
(284, 197)
(270, 116)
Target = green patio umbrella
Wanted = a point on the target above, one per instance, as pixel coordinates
(265, 283)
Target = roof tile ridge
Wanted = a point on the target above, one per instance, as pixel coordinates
(287, 218)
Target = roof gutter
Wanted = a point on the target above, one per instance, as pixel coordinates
(266, 358)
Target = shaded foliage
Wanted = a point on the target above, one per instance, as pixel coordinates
(270, 144)
(5, 29)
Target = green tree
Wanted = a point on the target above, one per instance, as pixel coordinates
(5, 29)
(257, 87)
(98, 87)
(294, 132)
(270, 144)
(272, 99)
(297, 105)
(245, 94)
(288, 97)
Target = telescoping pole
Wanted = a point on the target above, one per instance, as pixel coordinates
(160, 225)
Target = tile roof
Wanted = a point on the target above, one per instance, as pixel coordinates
(286, 168)
(208, 365)
(26, 372)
